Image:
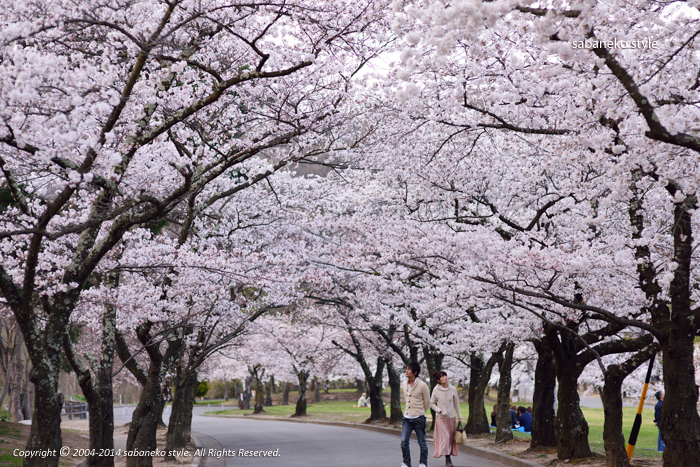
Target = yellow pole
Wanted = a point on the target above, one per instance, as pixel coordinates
(638, 418)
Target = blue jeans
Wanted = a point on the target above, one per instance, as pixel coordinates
(417, 424)
(660, 446)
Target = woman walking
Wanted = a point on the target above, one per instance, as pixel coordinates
(445, 402)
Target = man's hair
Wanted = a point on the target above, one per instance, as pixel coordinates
(415, 368)
(522, 409)
(658, 395)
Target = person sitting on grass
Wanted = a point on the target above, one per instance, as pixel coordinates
(513, 417)
(525, 419)
(362, 401)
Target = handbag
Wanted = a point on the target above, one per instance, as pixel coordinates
(460, 435)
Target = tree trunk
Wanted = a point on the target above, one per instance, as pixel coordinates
(259, 392)
(234, 387)
(376, 402)
(680, 427)
(395, 414)
(16, 384)
(680, 423)
(285, 393)
(268, 391)
(543, 398)
(245, 403)
(477, 421)
(189, 406)
(144, 422)
(360, 385)
(45, 433)
(433, 360)
(177, 436)
(317, 390)
(503, 431)
(613, 438)
(300, 410)
(571, 428)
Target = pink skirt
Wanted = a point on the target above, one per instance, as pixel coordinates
(444, 437)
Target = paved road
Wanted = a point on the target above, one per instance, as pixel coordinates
(305, 444)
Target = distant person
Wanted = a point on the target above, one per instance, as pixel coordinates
(525, 419)
(529, 410)
(362, 401)
(417, 396)
(493, 414)
(660, 446)
(513, 417)
(445, 403)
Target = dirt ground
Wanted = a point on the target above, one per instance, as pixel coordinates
(548, 457)
(14, 436)
(121, 431)
(180, 461)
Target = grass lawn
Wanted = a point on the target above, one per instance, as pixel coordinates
(646, 441)
(344, 411)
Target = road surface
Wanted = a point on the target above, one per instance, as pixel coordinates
(304, 444)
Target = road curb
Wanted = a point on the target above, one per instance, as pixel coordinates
(504, 459)
(197, 460)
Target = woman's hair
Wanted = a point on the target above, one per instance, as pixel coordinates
(439, 374)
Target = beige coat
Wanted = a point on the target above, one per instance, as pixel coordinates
(445, 402)
(417, 400)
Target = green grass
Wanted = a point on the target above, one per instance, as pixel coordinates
(646, 440)
(6, 429)
(329, 410)
(344, 411)
(9, 459)
(648, 434)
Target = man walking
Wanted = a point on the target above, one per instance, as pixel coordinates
(417, 396)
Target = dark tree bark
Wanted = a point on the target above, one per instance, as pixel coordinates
(543, 398)
(360, 386)
(285, 393)
(300, 410)
(433, 360)
(247, 394)
(178, 434)
(572, 352)
(376, 401)
(258, 373)
(611, 395)
(571, 428)
(680, 423)
(269, 388)
(98, 393)
(503, 431)
(317, 390)
(395, 412)
(477, 421)
(144, 423)
(374, 381)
